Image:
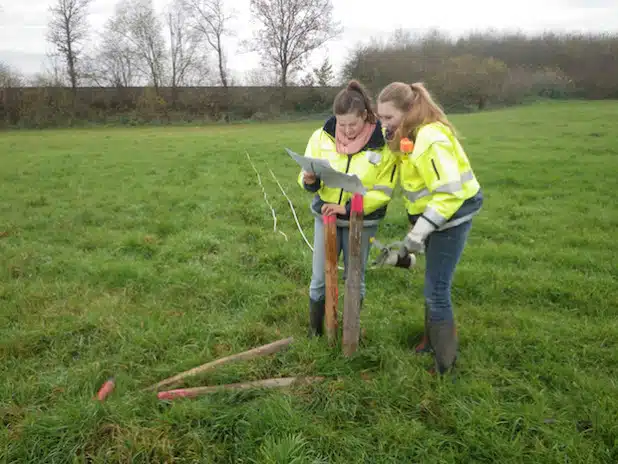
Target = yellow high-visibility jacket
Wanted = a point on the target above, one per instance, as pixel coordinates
(437, 179)
(375, 165)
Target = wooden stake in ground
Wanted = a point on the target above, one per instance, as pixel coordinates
(269, 383)
(254, 353)
(331, 274)
(351, 308)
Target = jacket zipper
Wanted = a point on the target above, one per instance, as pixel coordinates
(393, 173)
(433, 163)
(347, 168)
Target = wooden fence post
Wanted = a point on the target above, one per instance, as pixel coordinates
(351, 309)
(332, 281)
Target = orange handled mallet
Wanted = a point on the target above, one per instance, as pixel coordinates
(105, 389)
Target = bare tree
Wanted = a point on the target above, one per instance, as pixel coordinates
(211, 20)
(324, 75)
(113, 62)
(137, 23)
(308, 80)
(53, 74)
(291, 30)
(187, 59)
(9, 77)
(67, 30)
(260, 77)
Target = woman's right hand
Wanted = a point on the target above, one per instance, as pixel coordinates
(309, 178)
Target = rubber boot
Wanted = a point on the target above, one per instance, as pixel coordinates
(317, 310)
(443, 339)
(424, 346)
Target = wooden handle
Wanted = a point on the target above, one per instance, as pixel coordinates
(268, 383)
(254, 353)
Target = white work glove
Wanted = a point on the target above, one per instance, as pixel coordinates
(414, 242)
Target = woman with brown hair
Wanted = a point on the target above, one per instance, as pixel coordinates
(442, 195)
(352, 141)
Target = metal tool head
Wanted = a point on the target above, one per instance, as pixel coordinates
(385, 250)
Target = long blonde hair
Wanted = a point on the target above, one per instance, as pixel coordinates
(419, 108)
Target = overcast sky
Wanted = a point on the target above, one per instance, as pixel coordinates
(23, 23)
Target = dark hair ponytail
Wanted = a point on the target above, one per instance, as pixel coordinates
(354, 98)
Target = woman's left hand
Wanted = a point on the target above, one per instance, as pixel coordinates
(332, 209)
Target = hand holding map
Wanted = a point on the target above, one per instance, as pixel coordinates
(332, 178)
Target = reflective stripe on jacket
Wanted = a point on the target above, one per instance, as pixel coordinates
(437, 178)
(375, 165)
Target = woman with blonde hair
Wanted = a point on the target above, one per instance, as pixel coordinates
(441, 194)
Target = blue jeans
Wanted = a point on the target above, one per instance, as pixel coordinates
(442, 252)
(317, 288)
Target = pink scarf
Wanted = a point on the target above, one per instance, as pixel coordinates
(348, 146)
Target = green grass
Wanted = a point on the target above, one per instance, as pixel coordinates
(140, 253)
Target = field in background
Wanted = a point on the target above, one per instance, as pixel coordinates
(140, 253)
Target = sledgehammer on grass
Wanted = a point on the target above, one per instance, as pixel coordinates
(250, 354)
(268, 383)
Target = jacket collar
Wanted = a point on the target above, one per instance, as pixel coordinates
(376, 141)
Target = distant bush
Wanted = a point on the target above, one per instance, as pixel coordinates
(483, 69)
(57, 106)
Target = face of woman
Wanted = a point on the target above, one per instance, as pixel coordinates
(351, 124)
(390, 117)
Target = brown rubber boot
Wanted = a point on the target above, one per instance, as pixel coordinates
(443, 339)
(424, 346)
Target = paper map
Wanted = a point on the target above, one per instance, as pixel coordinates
(332, 178)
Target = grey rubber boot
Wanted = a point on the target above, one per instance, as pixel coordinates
(316, 317)
(443, 339)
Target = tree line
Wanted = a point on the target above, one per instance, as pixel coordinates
(493, 68)
(183, 45)
(171, 53)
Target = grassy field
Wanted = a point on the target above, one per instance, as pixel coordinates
(140, 253)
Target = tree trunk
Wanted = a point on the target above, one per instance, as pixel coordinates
(70, 58)
(222, 72)
(284, 77)
(71, 65)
